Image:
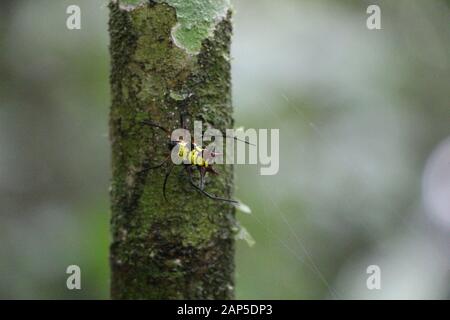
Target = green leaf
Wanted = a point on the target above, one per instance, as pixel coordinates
(243, 234)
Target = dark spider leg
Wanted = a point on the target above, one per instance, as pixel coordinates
(152, 124)
(182, 120)
(166, 178)
(237, 139)
(146, 167)
(183, 125)
(202, 171)
(183, 108)
(204, 192)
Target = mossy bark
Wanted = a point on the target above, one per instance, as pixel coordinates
(183, 248)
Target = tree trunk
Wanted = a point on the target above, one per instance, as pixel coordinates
(168, 56)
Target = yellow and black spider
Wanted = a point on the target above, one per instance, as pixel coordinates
(194, 157)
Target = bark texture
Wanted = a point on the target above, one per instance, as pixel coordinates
(184, 248)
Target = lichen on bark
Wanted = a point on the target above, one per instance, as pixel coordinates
(183, 248)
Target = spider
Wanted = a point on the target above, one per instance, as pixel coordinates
(194, 157)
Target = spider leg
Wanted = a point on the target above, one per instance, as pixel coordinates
(182, 120)
(240, 140)
(183, 107)
(146, 167)
(202, 171)
(211, 196)
(166, 178)
(152, 124)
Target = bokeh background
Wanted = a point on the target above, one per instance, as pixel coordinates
(365, 148)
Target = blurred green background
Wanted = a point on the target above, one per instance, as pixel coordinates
(364, 153)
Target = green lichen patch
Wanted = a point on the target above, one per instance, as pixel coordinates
(197, 20)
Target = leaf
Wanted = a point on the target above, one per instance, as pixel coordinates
(243, 234)
(243, 207)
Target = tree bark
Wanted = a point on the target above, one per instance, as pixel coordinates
(164, 64)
